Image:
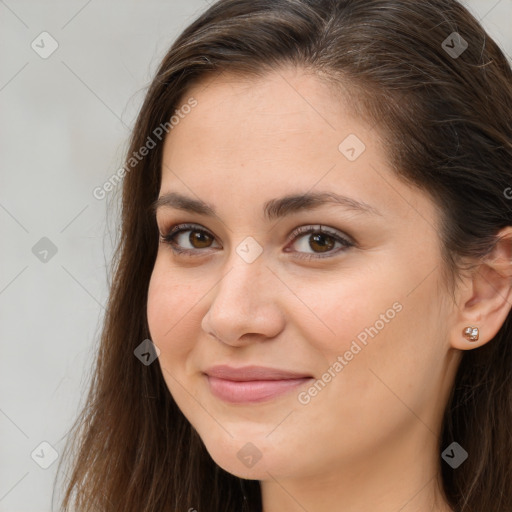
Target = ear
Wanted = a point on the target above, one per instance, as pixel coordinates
(485, 297)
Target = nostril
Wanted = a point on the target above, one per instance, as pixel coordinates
(214, 335)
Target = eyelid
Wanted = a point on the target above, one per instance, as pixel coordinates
(186, 226)
(183, 227)
(320, 228)
(346, 241)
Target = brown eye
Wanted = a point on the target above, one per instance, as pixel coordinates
(188, 239)
(200, 239)
(311, 242)
(321, 242)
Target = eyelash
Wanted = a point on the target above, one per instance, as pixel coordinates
(302, 230)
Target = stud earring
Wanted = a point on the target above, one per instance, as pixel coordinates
(471, 333)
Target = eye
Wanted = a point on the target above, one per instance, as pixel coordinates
(180, 242)
(321, 241)
(189, 239)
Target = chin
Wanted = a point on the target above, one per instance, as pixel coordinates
(252, 460)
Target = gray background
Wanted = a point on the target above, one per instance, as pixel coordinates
(64, 125)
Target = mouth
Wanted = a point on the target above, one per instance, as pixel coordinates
(252, 384)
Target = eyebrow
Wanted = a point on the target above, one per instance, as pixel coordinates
(273, 209)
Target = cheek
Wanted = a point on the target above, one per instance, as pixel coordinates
(379, 318)
(334, 310)
(172, 310)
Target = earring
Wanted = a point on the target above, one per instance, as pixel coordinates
(471, 333)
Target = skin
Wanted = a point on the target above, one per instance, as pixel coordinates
(368, 439)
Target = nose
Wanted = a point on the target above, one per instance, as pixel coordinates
(245, 304)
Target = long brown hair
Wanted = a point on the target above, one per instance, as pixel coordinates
(447, 120)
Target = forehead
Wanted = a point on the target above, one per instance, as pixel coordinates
(283, 122)
(255, 138)
(281, 102)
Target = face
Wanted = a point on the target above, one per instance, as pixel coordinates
(342, 290)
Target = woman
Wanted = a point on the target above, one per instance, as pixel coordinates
(311, 299)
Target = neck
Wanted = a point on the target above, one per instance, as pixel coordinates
(398, 476)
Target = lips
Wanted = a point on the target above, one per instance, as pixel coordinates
(251, 384)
